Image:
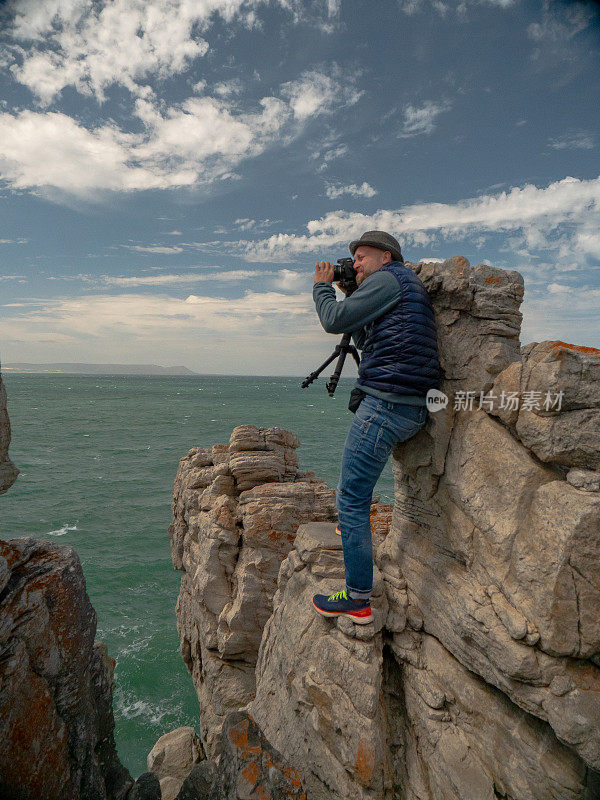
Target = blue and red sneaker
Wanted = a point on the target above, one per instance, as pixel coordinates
(339, 603)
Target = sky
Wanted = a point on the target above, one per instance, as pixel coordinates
(170, 170)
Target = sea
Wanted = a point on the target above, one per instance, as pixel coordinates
(98, 455)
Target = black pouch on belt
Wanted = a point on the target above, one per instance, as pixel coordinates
(356, 398)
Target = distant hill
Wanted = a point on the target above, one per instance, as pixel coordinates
(97, 369)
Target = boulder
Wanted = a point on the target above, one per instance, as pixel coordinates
(558, 414)
(173, 757)
(249, 767)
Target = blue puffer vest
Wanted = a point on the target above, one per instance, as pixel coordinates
(400, 351)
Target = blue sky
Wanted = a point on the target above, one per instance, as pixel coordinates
(171, 169)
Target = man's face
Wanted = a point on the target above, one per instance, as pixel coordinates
(368, 260)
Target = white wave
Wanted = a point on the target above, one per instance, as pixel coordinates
(127, 706)
(136, 646)
(62, 531)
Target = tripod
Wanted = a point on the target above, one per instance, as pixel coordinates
(340, 352)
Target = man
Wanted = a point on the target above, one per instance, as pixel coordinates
(391, 319)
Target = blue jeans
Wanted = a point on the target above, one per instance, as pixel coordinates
(376, 429)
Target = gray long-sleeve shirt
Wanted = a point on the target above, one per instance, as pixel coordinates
(378, 293)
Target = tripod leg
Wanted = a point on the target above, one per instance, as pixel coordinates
(333, 381)
(344, 347)
(314, 375)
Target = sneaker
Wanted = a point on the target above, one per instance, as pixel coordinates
(339, 603)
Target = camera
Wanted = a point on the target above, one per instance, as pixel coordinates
(344, 273)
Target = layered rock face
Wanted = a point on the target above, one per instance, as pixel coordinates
(236, 511)
(385, 710)
(8, 471)
(56, 718)
(483, 681)
(479, 678)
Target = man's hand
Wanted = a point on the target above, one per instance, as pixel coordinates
(323, 271)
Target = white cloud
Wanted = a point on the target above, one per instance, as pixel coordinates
(579, 140)
(557, 28)
(564, 313)
(411, 7)
(226, 276)
(92, 45)
(153, 248)
(19, 278)
(13, 241)
(318, 92)
(228, 88)
(329, 150)
(559, 288)
(289, 280)
(247, 224)
(364, 190)
(197, 142)
(558, 49)
(570, 206)
(422, 120)
(153, 320)
(208, 334)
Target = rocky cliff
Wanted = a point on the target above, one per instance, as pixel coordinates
(56, 717)
(8, 471)
(236, 510)
(480, 675)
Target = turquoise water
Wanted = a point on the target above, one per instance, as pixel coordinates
(98, 456)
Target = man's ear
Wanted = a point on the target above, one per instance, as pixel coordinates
(387, 257)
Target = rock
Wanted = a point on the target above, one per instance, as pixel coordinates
(249, 767)
(501, 518)
(169, 787)
(8, 471)
(318, 683)
(56, 717)
(201, 783)
(173, 757)
(584, 479)
(570, 437)
(147, 787)
(478, 319)
(466, 741)
(558, 416)
(236, 510)
(477, 509)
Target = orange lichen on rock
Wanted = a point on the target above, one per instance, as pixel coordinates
(381, 519)
(365, 762)
(251, 773)
(239, 737)
(494, 279)
(557, 345)
(586, 677)
(292, 776)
